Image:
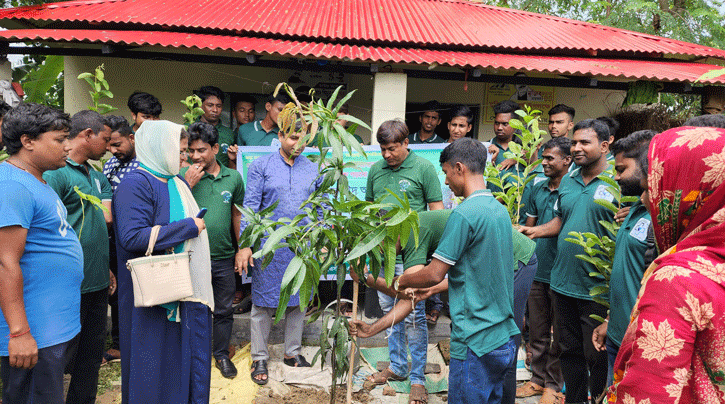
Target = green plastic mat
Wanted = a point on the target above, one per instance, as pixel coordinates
(434, 383)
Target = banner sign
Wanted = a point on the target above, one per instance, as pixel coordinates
(357, 178)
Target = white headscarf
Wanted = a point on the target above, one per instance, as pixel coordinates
(157, 149)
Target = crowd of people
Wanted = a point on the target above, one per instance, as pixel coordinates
(69, 230)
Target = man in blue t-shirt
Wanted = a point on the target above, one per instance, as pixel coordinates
(476, 252)
(41, 261)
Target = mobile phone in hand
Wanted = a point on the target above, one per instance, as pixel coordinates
(201, 213)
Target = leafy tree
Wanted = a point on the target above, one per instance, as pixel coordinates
(696, 21)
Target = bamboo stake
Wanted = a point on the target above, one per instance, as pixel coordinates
(355, 291)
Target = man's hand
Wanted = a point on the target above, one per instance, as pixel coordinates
(243, 260)
(493, 151)
(112, 285)
(528, 231)
(621, 214)
(422, 294)
(360, 329)
(506, 164)
(23, 351)
(194, 174)
(232, 152)
(599, 336)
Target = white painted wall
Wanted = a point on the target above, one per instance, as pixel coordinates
(378, 97)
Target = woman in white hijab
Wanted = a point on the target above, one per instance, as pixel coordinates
(165, 350)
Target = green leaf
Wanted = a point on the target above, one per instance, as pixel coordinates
(275, 238)
(370, 241)
(39, 81)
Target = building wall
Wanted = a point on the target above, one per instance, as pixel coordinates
(172, 81)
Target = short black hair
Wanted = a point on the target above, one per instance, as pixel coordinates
(210, 91)
(643, 162)
(710, 121)
(144, 103)
(634, 145)
(245, 98)
(33, 120)
(563, 143)
(559, 108)
(203, 131)
(506, 107)
(469, 152)
(464, 111)
(86, 119)
(392, 131)
(432, 105)
(280, 97)
(599, 127)
(303, 94)
(612, 123)
(118, 124)
(4, 108)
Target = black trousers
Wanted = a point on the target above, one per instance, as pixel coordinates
(87, 350)
(224, 286)
(578, 357)
(41, 384)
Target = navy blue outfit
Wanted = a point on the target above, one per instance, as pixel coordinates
(161, 361)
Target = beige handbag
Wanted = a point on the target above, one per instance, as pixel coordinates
(160, 279)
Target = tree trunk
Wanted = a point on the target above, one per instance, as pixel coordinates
(355, 292)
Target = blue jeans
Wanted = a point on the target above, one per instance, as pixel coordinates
(480, 379)
(612, 350)
(416, 338)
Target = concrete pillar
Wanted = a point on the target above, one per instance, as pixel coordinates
(389, 96)
(6, 70)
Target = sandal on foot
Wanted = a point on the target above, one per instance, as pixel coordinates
(297, 361)
(433, 317)
(260, 368)
(418, 394)
(237, 297)
(380, 378)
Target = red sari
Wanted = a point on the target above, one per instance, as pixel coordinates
(674, 348)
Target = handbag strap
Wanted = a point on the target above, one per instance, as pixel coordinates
(152, 239)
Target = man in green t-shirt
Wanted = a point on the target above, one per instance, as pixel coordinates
(212, 103)
(546, 378)
(218, 189)
(264, 132)
(583, 367)
(409, 176)
(429, 119)
(476, 252)
(143, 106)
(89, 137)
(504, 133)
(634, 247)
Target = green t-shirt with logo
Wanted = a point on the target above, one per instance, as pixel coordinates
(634, 239)
(94, 232)
(415, 177)
(477, 243)
(253, 134)
(513, 169)
(219, 195)
(579, 213)
(540, 205)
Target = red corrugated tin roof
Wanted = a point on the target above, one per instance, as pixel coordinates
(441, 24)
(618, 68)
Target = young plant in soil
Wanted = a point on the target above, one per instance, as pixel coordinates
(342, 233)
(513, 183)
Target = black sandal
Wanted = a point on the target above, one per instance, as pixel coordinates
(260, 368)
(297, 361)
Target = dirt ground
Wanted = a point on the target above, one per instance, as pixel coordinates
(299, 395)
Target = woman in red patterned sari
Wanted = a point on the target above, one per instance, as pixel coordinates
(674, 348)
